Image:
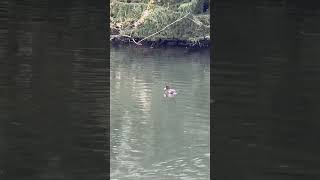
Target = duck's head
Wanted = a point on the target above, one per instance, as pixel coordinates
(167, 87)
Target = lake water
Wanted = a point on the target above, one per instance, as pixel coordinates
(153, 137)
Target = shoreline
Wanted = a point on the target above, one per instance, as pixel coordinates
(121, 40)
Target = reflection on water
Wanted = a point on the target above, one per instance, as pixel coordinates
(53, 90)
(266, 82)
(153, 137)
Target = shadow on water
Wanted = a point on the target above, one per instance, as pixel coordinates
(53, 90)
(266, 83)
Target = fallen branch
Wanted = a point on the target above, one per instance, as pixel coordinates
(131, 39)
(139, 42)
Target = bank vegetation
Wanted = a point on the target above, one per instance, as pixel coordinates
(170, 22)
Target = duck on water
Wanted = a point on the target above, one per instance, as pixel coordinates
(168, 92)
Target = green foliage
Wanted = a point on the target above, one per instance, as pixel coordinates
(193, 28)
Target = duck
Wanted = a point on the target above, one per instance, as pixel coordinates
(168, 92)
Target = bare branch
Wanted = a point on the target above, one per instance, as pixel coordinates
(131, 39)
(164, 28)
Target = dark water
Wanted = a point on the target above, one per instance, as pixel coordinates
(266, 89)
(53, 90)
(153, 137)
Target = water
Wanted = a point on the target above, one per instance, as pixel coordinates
(54, 92)
(153, 137)
(266, 90)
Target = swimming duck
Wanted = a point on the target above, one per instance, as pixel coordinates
(169, 92)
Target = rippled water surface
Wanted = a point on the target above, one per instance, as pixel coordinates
(153, 137)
